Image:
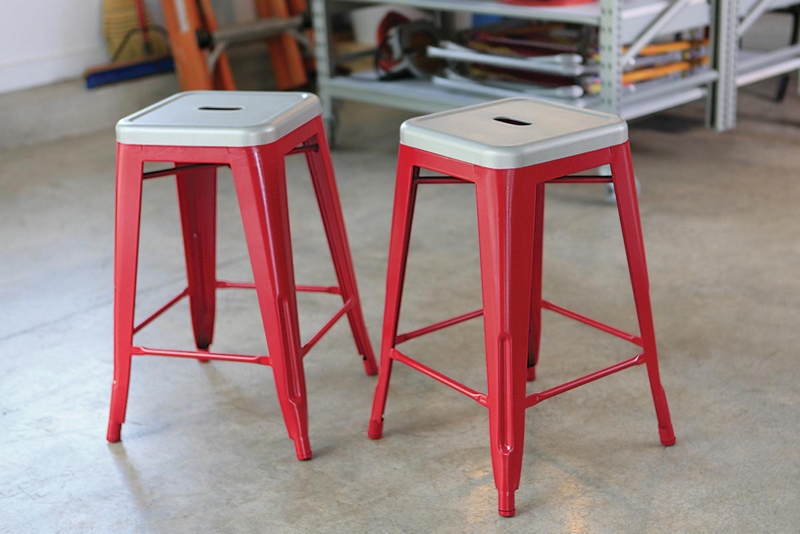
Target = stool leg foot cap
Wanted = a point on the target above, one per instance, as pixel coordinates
(375, 429)
(201, 359)
(667, 436)
(303, 450)
(370, 367)
(114, 431)
(531, 374)
(506, 506)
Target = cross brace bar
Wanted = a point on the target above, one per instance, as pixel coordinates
(178, 169)
(577, 179)
(303, 149)
(535, 398)
(144, 351)
(324, 330)
(636, 340)
(222, 284)
(532, 399)
(478, 397)
(438, 326)
(161, 310)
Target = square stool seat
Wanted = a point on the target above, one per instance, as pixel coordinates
(513, 133)
(219, 118)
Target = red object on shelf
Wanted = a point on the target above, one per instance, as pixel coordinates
(260, 181)
(510, 206)
(547, 3)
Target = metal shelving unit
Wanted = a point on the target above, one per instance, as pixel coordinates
(740, 67)
(632, 24)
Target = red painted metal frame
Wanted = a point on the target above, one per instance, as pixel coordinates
(146, 351)
(438, 326)
(535, 398)
(510, 226)
(260, 181)
(264, 360)
(171, 171)
(636, 340)
(477, 396)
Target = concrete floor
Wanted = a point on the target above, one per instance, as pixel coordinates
(205, 448)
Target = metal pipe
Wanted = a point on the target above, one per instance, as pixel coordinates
(322, 331)
(689, 82)
(766, 58)
(535, 398)
(477, 396)
(333, 290)
(582, 180)
(767, 72)
(259, 29)
(144, 351)
(636, 340)
(179, 169)
(653, 30)
(161, 310)
(438, 326)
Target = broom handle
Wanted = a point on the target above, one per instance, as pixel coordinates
(148, 46)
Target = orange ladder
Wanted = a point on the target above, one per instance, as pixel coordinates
(198, 43)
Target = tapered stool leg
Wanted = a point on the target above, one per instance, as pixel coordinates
(261, 188)
(126, 255)
(506, 233)
(404, 198)
(624, 185)
(321, 170)
(197, 198)
(535, 332)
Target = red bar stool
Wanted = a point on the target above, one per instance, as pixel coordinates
(251, 132)
(510, 149)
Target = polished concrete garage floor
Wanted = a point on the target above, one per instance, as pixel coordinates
(205, 448)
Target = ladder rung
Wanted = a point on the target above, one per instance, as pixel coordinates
(256, 30)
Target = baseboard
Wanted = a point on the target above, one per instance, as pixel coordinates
(38, 71)
(67, 108)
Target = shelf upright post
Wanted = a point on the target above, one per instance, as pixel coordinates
(722, 107)
(324, 52)
(610, 40)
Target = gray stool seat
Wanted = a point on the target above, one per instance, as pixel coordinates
(219, 119)
(513, 132)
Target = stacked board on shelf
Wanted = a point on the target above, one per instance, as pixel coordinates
(560, 60)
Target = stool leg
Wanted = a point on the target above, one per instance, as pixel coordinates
(404, 198)
(624, 185)
(322, 176)
(535, 335)
(197, 198)
(261, 188)
(506, 238)
(126, 255)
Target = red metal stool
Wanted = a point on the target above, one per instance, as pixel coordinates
(510, 149)
(251, 132)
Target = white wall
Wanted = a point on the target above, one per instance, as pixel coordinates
(42, 41)
(45, 41)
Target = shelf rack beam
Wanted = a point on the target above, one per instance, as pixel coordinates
(610, 40)
(654, 29)
(722, 109)
(755, 13)
(632, 22)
